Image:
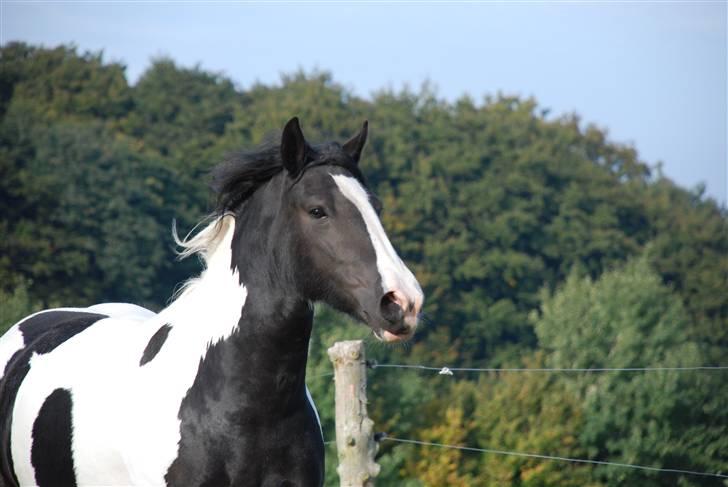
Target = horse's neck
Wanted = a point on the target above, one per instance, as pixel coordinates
(269, 353)
(256, 333)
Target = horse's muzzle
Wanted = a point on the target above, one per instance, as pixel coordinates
(401, 316)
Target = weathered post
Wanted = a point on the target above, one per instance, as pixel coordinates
(354, 436)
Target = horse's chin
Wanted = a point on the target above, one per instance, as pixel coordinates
(381, 329)
(389, 337)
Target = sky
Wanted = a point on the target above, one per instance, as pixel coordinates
(653, 74)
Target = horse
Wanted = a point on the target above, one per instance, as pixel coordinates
(210, 391)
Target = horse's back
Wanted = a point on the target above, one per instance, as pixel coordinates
(46, 449)
(63, 323)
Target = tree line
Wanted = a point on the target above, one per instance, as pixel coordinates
(537, 239)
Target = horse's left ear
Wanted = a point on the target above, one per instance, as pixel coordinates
(293, 147)
(354, 146)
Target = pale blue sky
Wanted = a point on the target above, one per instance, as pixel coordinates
(652, 73)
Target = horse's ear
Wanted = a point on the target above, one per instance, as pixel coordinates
(293, 147)
(354, 146)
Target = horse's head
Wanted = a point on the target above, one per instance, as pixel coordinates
(343, 255)
(307, 223)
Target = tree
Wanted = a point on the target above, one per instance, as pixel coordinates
(628, 318)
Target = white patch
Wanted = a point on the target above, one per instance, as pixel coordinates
(394, 273)
(125, 425)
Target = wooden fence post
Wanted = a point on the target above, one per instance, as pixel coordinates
(354, 436)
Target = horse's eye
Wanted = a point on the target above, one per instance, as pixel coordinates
(317, 212)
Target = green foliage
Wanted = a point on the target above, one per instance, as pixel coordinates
(60, 83)
(15, 305)
(90, 218)
(490, 203)
(629, 318)
(690, 250)
(531, 414)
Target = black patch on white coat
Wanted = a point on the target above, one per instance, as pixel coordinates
(155, 344)
(46, 331)
(51, 454)
(41, 334)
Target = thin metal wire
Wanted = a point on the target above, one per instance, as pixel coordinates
(450, 370)
(563, 459)
(444, 370)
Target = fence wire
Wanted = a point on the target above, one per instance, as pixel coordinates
(452, 370)
(447, 370)
(557, 458)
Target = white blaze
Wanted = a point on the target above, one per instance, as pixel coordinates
(394, 273)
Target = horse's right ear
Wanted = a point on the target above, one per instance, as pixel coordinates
(293, 147)
(354, 146)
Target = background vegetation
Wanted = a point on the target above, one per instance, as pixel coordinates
(538, 241)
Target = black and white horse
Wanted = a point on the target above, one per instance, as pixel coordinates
(211, 390)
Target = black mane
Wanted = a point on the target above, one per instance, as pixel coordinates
(242, 173)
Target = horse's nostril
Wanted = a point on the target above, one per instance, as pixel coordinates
(391, 309)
